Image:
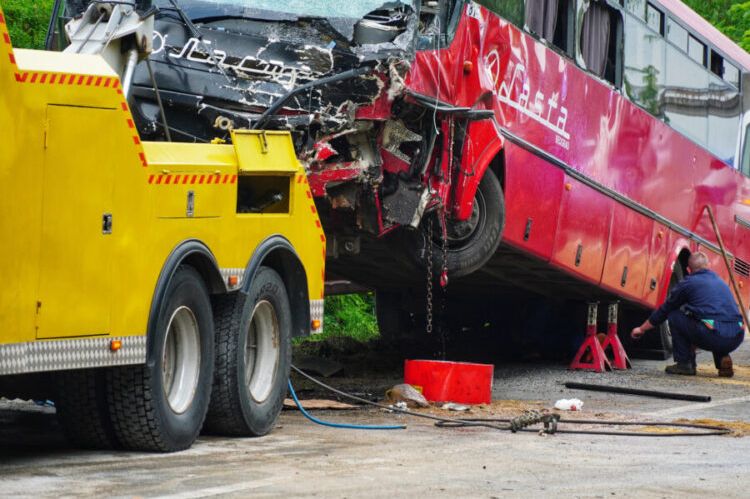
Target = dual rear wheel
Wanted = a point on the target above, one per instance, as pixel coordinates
(225, 363)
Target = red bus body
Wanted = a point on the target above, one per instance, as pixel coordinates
(594, 185)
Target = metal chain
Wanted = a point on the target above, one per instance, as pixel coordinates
(443, 282)
(428, 249)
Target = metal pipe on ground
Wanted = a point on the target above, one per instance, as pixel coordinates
(637, 391)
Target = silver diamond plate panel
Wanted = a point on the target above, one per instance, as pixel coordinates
(316, 313)
(58, 355)
(240, 273)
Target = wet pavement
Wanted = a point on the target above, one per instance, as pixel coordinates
(303, 459)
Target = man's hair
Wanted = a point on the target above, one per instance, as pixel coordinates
(698, 261)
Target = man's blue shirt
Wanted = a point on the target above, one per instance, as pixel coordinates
(706, 297)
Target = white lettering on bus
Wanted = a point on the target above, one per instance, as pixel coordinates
(273, 70)
(556, 117)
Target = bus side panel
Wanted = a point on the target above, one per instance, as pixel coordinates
(583, 230)
(533, 190)
(627, 256)
(657, 265)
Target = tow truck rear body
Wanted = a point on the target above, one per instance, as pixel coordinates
(97, 224)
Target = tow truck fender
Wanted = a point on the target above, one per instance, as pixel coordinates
(278, 253)
(483, 143)
(197, 255)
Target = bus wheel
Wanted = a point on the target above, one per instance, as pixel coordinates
(161, 406)
(470, 243)
(81, 404)
(253, 358)
(666, 335)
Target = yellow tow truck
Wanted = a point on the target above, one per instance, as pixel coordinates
(151, 289)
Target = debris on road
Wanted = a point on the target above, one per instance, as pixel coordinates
(319, 404)
(407, 394)
(569, 405)
(452, 406)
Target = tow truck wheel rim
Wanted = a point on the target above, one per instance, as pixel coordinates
(181, 360)
(262, 351)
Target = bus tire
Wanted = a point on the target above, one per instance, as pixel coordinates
(162, 406)
(82, 409)
(664, 332)
(472, 243)
(253, 358)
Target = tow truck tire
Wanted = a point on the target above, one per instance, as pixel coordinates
(473, 242)
(253, 358)
(82, 410)
(161, 406)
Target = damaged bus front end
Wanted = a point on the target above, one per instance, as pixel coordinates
(379, 97)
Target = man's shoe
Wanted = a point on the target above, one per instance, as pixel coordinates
(725, 367)
(681, 369)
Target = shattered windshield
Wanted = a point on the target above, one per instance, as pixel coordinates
(284, 9)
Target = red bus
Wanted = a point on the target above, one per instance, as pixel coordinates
(613, 125)
(536, 151)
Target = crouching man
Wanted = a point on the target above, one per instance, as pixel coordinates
(701, 313)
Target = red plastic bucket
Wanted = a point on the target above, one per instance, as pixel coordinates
(443, 381)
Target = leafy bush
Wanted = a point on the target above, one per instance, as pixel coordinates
(27, 21)
(350, 315)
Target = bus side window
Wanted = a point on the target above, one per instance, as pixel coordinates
(510, 10)
(745, 165)
(644, 65)
(550, 20)
(541, 17)
(601, 36)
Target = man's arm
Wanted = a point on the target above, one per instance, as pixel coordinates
(637, 332)
(677, 297)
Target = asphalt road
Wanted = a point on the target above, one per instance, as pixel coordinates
(302, 459)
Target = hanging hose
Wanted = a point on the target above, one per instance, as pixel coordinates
(520, 423)
(339, 425)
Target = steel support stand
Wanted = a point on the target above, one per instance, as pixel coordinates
(590, 356)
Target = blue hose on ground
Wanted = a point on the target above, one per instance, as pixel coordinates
(339, 425)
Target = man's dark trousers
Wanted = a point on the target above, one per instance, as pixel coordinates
(688, 331)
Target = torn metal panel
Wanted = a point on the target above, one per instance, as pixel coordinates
(406, 205)
(381, 143)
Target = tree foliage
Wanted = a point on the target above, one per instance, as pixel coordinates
(27, 21)
(731, 17)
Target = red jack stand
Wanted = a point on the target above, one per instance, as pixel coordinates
(596, 360)
(620, 359)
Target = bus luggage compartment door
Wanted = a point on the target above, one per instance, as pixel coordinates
(583, 230)
(75, 280)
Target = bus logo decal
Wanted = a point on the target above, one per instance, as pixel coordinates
(556, 116)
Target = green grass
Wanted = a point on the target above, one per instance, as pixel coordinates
(27, 21)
